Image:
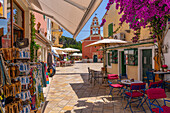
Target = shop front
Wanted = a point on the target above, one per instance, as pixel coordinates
(21, 81)
(131, 59)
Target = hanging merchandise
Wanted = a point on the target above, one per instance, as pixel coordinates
(36, 87)
(21, 81)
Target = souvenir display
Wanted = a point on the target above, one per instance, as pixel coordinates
(24, 53)
(21, 81)
(10, 53)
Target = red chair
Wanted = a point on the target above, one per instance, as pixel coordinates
(136, 94)
(112, 86)
(157, 93)
(112, 76)
(158, 84)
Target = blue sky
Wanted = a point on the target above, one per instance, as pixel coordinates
(85, 32)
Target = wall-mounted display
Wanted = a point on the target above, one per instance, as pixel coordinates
(114, 56)
(131, 56)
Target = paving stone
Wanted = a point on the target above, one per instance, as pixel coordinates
(71, 92)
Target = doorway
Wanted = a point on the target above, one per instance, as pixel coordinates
(146, 62)
(95, 58)
(123, 64)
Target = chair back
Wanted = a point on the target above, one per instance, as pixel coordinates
(156, 93)
(150, 76)
(112, 76)
(138, 86)
(123, 76)
(158, 84)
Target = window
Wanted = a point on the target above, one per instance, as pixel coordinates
(110, 29)
(18, 22)
(114, 56)
(109, 58)
(94, 22)
(131, 56)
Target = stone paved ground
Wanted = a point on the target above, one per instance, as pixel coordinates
(70, 92)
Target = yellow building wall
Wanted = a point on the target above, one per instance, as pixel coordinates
(113, 17)
(132, 72)
(57, 33)
(113, 69)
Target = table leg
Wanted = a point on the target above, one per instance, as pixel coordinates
(162, 78)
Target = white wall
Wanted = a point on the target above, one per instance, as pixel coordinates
(167, 55)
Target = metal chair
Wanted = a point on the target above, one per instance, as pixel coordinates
(158, 84)
(122, 76)
(89, 73)
(150, 77)
(135, 93)
(112, 86)
(157, 93)
(96, 75)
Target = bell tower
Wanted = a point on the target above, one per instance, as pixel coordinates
(95, 27)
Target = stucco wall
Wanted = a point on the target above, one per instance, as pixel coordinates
(39, 18)
(113, 69)
(132, 72)
(113, 17)
(167, 55)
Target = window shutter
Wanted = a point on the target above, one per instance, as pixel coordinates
(110, 29)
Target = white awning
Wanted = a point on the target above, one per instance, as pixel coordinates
(72, 15)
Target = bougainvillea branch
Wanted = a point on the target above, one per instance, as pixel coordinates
(145, 13)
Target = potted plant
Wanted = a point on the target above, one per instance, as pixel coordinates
(164, 67)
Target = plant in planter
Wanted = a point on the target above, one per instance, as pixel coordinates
(164, 67)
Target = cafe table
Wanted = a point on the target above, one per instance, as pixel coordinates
(161, 73)
(128, 82)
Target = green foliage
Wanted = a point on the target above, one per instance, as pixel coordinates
(70, 42)
(33, 43)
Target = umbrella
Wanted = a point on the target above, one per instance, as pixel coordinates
(71, 15)
(76, 54)
(58, 50)
(63, 53)
(71, 50)
(106, 42)
(55, 53)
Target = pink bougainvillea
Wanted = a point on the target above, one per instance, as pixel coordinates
(103, 21)
(143, 13)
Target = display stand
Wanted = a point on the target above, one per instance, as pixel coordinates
(21, 87)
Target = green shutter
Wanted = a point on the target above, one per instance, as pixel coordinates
(109, 59)
(110, 29)
(44, 17)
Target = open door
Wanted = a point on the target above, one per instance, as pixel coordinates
(123, 65)
(146, 62)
